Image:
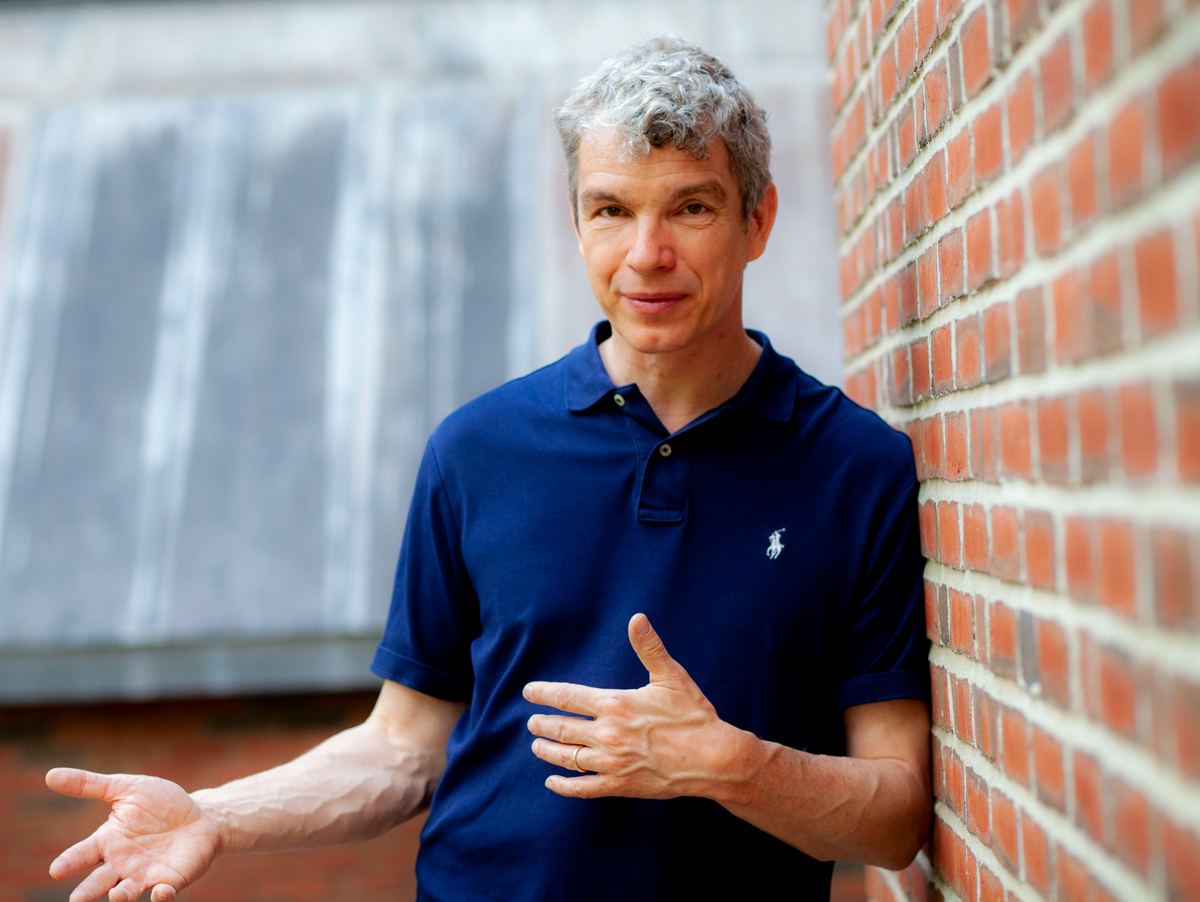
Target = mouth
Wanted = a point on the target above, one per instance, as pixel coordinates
(653, 301)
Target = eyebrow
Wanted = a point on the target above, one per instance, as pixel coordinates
(712, 188)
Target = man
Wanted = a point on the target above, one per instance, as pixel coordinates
(674, 470)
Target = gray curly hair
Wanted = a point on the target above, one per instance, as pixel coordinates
(662, 92)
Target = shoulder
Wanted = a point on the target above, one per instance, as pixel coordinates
(502, 415)
(853, 437)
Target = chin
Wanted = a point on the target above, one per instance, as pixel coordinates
(656, 338)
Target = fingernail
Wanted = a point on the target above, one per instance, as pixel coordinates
(643, 627)
(525, 692)
(547, 782)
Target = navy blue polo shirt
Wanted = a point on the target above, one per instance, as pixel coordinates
(773, 543)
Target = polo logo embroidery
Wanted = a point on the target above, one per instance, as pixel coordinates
(776, 546)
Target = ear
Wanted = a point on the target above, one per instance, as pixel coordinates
(762, 220)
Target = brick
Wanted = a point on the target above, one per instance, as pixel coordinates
(1021, 120)
(1118, 578)
(975, 539)
(1006, 559)
(1014, 745)
(1103, 309)
(1022, 17)
(1185, 728)
(960, 169)
(895, 228)
(906, 136)
(1031, 331)
(932, 443)
(976, 52)
(927, 28)
(936, 88)
(1016, 458)
(1039, 549)
(900, 384)
(918, 352)
(1002, 640)
(907, 295)
(1139, 432)
(1146, 22)
(940, 696)
(1058, 88)
(962, 622)
(1027, 656)
(1053, 439)
(975, 799)
(983, 442)
(1182, 854)
(950, 262)
(1080, 555)
(956, 445)
(980, 268)
(1054, 663)
(989, 145)
(964, 728)
(927, 281)
(1037, 854)
(1045, 201)
(1048, 772)
(948, 544)
(1089, 795)
(889, 82)
(1081, 181)
(1097, 43)
(968, 361)
(1187, 428)
(1179, 116)
(943, 363)
(1125, 140)
(1118, 691)
(990, 887)
(1131, 827)
(906, 48)
(1010, 233)
(1154, 258)
(1071, 877)
(934, 179)
(1070, 318)
(1176, 577)
(1092, 408)
(987, 714)
(947, 10)
(1004, 831)
(933, 625)
(997, 342)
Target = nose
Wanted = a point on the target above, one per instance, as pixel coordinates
(652, 249)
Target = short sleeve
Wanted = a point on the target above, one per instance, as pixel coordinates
(887, 651)
(434, 614)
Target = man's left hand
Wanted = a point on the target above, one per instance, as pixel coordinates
(658, 742)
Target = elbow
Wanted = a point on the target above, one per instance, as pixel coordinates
(908, 838)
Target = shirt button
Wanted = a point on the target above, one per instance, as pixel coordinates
(664, 450)
(618, 400)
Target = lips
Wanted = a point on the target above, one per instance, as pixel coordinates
(653, 302)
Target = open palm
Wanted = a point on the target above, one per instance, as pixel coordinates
(156, 837)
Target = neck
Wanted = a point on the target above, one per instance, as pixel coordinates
(681, 385)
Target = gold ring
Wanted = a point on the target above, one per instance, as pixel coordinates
(575, 759)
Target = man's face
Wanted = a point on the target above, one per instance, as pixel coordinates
(665, 243)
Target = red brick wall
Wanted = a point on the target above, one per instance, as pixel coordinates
(1018, 196)
(197, 744)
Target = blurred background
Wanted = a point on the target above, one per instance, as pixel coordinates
(250, 254)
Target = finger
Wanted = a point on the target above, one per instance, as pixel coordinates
(651, 651)
(83, 784)
(562, 755)
(574, 730)
(126, 891)
(97, 884)
(566, 696)
(79, 857)
(592, 786)
(163, 893)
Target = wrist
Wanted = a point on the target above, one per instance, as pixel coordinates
(217, 815)
(741, 759)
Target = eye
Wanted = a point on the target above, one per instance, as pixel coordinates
(610, 211)
(694, 209)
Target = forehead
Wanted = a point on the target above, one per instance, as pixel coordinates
(600, 163)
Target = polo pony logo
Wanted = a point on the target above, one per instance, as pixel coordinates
(776, 546)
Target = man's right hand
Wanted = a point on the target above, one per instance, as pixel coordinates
(156, 838)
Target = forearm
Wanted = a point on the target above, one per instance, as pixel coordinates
(873, 811)
(353, 786)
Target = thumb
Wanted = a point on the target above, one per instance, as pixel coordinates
(651, 651)
(164, 892)
(83, 784)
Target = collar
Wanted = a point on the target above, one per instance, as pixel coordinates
(769, 394)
